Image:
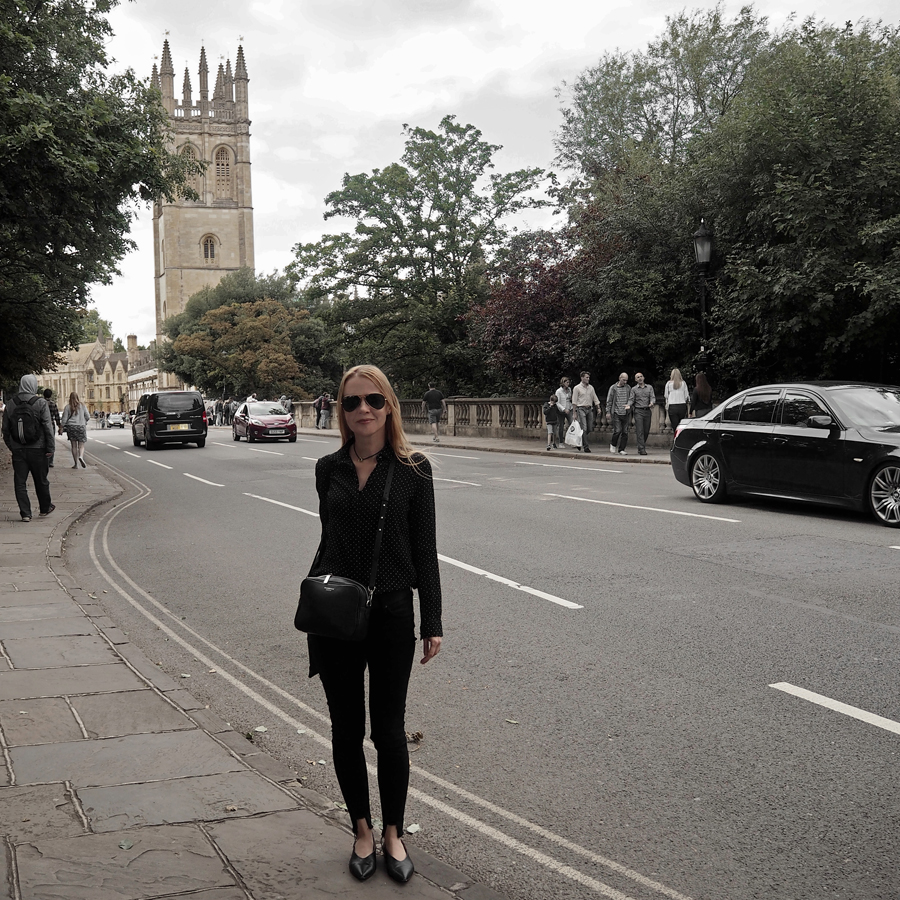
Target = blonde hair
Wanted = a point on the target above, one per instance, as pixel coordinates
(74, 403)
(677, 380)
(395, 434)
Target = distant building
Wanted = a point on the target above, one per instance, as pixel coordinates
(99, 375)
(196, 242)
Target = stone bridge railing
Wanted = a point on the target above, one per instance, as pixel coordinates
(494, 417)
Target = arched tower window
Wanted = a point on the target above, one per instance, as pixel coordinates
(190, 152)
(208, 250)
(223, 172)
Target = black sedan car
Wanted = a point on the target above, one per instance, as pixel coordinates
(828, 442)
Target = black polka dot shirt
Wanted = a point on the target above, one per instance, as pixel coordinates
(409, 545)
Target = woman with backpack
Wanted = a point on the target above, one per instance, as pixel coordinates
(74, 421)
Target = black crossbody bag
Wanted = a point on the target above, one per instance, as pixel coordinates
(338, 607)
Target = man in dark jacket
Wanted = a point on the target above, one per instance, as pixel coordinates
(29, 435)
(54, 418)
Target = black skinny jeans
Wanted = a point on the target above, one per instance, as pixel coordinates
(388, 652)
(33, 461)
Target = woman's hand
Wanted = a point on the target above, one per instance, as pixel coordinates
(431, 647)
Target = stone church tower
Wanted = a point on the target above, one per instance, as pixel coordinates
(197, 242)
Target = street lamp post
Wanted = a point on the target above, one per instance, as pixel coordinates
(703, 252)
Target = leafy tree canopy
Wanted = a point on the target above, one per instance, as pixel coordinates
(77, 149)
(402, 282)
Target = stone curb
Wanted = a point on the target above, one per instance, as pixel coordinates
(429, 868)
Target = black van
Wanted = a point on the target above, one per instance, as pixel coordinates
(170, 417)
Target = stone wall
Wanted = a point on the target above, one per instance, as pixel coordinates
(494, 417)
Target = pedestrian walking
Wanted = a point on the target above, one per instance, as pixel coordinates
(317, 406)
(28, 432)
(586, 404)
(325, 411)
(551, 415)
(434, 406)
(564, 405)
(74, 422)
(220, 411)
(618, 411)
(701, 396)
(351, 485)
(54, 417)
(643, 399)
(677, 399)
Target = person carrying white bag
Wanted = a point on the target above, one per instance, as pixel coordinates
(573, 435)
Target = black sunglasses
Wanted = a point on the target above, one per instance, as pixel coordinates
(373, 401)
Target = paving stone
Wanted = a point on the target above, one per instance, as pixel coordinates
(132, 712)
(271, 768)
(25, 559)
(41, 721)
(184, 699)
(237, 742)
(481, 892)
(440, 873)
(233, 893)
(205, 798)
(148, 669)
(119, 760)
(114, 634)
(32, 613)
(27, 598)
(52, 652)
(209, 721)
(47, 628)
(43, 581)
(67, 681)
(32, 812)
(298, 855)
(4, 775)
(162, 861)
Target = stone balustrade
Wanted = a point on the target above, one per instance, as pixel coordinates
(494, 417)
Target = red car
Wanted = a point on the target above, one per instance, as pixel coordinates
(262, 420)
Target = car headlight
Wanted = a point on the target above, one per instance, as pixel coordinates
(256, 422)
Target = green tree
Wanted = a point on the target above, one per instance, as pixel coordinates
(246, 333)
(402, 283)
(78, 149)
(802, 181)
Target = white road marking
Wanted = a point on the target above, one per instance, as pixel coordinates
(514, 584)
(452, 455)
(853, 711)
(221, 444)
(582, 468)
(894, 548)
(310, 458)
(153, 462)
(473, 823)
(135, 455)
(279, 503)
(671, 512)
(454, 481)
(258, 450)
(213, 483)
(114, 446)
(311, 441)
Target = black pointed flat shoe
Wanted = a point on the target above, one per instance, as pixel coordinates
(399, 869)
(363, 867)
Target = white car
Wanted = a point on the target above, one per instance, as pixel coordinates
(117, 419)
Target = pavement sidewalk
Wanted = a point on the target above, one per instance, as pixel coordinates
(115, 783)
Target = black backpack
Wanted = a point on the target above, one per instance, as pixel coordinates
(25, 425)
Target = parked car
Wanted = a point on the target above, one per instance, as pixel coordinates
(169, 417)
(830, 442)
(261, 420)
(115, 420)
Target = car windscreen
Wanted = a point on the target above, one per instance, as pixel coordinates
(174, 403)
(266, 409)
(868, 407)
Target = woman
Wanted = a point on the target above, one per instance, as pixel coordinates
(677, 398)
(350, 484)
(701, 396)
(564, 405)
(73, 421)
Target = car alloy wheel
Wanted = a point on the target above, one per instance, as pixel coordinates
(884, 495)
(706, 479)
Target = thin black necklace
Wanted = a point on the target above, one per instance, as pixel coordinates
(364, 458)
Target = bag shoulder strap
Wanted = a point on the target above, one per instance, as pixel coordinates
(376, 552)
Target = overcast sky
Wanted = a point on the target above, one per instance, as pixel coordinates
(333, 81)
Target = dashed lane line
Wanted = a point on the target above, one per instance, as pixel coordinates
(568, 604)
(286, 505)
(260, 450)
(581, 468)
(454, 481)
(135, 455)
(196, 478)
(671, 512)
(153, 462)
(853, 711)
(451, 455)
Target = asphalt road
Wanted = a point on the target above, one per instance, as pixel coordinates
(631, 747)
